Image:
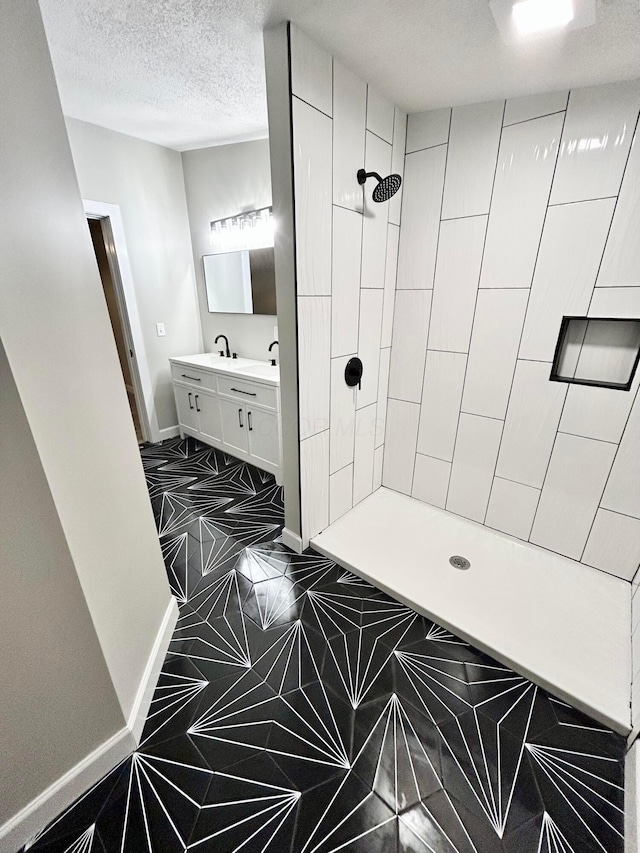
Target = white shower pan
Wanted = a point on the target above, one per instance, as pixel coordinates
(559, 623)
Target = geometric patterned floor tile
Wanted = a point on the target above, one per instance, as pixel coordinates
(302, 710)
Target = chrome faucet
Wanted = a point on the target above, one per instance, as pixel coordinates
(271, 346)
(226, 354)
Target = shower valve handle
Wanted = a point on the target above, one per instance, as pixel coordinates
(353, 373)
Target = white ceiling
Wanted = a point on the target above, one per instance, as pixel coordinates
(189, 73)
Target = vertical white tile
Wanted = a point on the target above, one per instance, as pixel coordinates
(497, 327)
(397, 161)
(340, 493)
(343, 416)
(363, 456)
(314, 484)
(421, 203)
(379, 114)
(409, 344)
(349, 117)
(614, 544)
(374, 227)
(370, 328)
(474, 463)
(310, 71)
(621, 261)
(441, 396)
(471, 164)
(347, 250)
(390, 272)
(526, 160)
(595, 141)
(400, 445)
(623, 489)
(424, 130)
(314, 363)
(615, 302)
(572, 488)
(431, 480)
(456, 283)
(512, 508)
(534, 106)
(378, 458)
(570, 252)
(312, 174)
(383, 392)
(532, 420)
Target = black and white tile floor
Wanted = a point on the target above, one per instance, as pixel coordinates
(301, 709)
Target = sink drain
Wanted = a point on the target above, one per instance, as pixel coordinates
(459, 562)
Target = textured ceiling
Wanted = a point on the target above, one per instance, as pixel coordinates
(190, 73)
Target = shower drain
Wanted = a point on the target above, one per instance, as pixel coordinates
(459, 562)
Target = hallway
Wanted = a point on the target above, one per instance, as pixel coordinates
(301, 709)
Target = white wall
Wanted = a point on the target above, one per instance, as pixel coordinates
(515, 214)
(346, 251)
(635, 655)
(56, 334)
(57, 698)
(223, 181)
(146, 180)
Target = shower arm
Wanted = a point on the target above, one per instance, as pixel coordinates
(362, 176)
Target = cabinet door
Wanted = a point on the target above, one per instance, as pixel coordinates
(185, 404)
(264, 435)
(234, 425)
(209, 415)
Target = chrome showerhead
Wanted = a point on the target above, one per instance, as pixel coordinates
(385, 188)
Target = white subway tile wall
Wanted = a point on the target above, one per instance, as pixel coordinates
(347, 256)
(513, 216)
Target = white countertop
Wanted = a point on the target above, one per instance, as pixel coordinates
(247, 368)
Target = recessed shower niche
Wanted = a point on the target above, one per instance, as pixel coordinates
(597, 351)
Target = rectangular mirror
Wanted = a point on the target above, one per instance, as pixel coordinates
(241, 282)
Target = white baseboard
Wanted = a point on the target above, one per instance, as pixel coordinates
(169, 432)
(292, 540)
(140, 709)
(30, 820)
(631, 795)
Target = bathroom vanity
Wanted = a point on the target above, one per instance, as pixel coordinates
(232, 404)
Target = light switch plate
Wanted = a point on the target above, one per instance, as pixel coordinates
(160, 330)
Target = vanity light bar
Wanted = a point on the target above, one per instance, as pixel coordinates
(252, 230)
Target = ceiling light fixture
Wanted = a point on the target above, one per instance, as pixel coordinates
(534, 16)
(522, 21)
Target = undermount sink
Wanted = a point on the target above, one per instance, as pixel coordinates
(260, 370)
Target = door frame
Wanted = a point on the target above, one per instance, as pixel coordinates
(115, 243)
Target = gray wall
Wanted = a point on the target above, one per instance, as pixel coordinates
(146, 180)
(223, 181)
(56, 334)
(57, 698)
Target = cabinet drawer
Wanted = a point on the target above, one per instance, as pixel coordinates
(193, 376)
(248, 392)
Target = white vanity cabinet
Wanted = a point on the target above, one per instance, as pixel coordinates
(224, 405)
